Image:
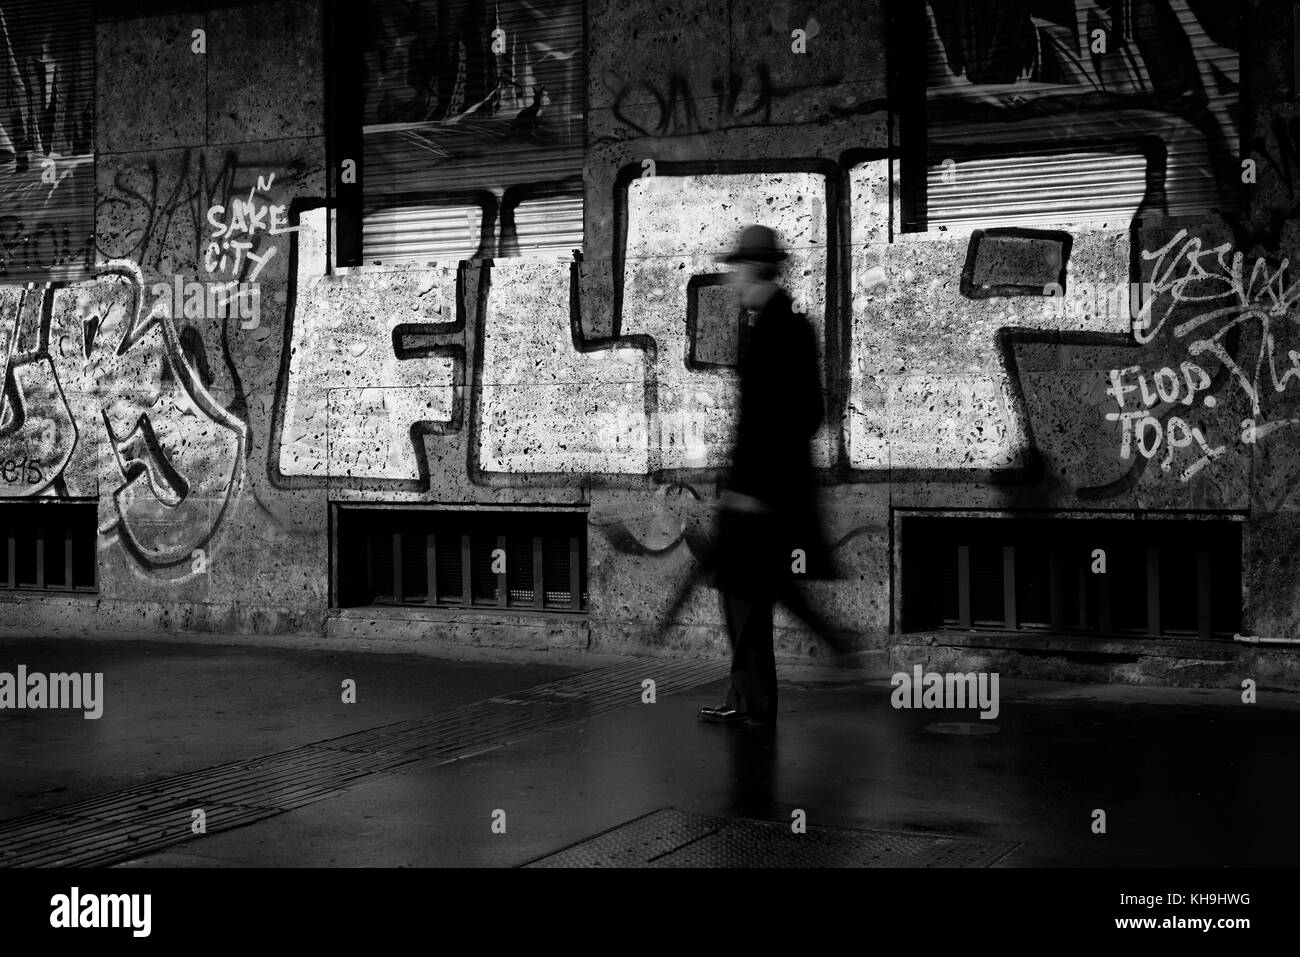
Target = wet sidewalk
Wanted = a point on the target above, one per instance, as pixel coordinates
(503, 759)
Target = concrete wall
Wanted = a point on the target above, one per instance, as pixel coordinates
(162, 407)
(525, 392)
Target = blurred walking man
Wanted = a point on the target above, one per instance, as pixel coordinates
(768, 532)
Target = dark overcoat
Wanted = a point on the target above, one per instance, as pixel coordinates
(780, 409)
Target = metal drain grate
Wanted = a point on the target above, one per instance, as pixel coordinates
(129, 823)
(672, 838)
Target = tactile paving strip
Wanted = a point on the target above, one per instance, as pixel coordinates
(672, 838)
(125, 824)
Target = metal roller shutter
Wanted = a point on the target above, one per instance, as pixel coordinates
(47, 136)
(1020, 93)
(473, 129)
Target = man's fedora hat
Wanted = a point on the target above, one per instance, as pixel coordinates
(757, 245)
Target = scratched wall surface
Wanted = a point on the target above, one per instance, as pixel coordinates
(219, 384)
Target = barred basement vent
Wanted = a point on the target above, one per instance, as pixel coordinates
(47, 546)
(1100, 576)
(461, 559)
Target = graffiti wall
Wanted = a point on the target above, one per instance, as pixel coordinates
(101, 400)
(149, 387)
(220, 382)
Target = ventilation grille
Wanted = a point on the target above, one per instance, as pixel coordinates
(1158, 578)
(423, 557)
(47, 546)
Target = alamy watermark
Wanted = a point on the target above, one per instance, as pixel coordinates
(36, 690)
(956, 691)
(75, 910)
(1118, 300)
(233, 299)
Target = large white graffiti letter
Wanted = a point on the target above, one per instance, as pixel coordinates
(351, 401)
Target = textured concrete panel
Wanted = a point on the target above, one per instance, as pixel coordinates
(636, 72)
(963, 422)
(544, 406)
(151, 88)
(676, 226)
(351, 402)
(950, 406)
(843, 43)
(263, 86)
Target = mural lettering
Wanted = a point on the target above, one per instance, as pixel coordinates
(1229, 313)
(98, 390)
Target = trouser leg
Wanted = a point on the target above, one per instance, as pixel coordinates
(753, 659)
(760, 625)
(734, 611)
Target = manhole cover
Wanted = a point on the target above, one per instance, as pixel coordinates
(962, 727)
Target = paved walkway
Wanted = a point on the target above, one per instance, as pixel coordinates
(419, 769)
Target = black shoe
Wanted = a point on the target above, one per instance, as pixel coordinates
(722, 715)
